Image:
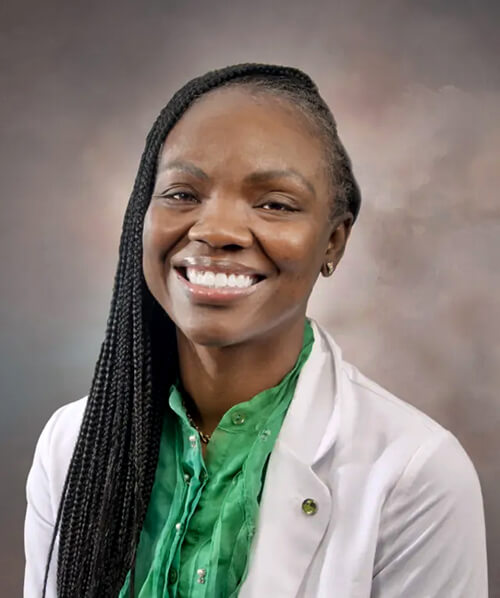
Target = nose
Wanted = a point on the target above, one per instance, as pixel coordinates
(222, 223)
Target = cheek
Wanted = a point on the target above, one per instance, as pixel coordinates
(296, 250)
(157, 239)
(151, 233)
(160, 234)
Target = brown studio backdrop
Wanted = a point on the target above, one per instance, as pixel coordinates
(416, 92)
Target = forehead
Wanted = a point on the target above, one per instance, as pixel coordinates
(232, 126)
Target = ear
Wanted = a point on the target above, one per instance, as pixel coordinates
(341, 229)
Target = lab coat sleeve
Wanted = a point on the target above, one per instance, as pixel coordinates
(40, 517)
(432, 534)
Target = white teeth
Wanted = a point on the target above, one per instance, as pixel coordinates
(219, 280)
(243, 281)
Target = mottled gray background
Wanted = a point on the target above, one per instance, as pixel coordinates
(415, 87)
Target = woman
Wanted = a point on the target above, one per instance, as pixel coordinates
(226, 448)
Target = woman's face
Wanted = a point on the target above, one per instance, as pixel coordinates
(237, 228)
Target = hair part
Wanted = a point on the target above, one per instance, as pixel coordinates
(343, 188)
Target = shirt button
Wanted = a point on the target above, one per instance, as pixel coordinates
(264, 435)
(237, 418)
(202, 573)
(192, 440)
(178, 526)
(187, 478)
(310, 506)
(172, 576)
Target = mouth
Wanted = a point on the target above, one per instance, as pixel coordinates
(209, 281)
(207, 287)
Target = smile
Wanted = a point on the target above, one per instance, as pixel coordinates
(204, 286)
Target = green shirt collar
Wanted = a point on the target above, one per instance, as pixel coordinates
(258, 408)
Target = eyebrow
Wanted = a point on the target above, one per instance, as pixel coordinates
(186, 167)
(260, 176)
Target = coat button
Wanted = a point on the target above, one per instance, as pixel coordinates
(310, 506)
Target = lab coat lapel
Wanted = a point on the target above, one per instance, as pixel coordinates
(286, 537)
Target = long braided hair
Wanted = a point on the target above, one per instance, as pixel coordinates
(111, 474)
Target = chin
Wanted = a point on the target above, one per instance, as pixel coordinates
(210, 331)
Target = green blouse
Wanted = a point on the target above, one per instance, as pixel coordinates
(202, 513)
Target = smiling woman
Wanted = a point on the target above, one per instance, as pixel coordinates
(226, 448)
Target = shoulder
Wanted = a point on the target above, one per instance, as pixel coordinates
(365, 404)
(54, 450)
(407, 429)
(375, 425)
(62, 428)
(408, 477)
(44, 487)
(430, 502)
(380, 406)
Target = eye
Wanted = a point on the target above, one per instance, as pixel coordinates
(178, 197)
(277, 206)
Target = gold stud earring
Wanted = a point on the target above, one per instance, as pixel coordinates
(327, 269)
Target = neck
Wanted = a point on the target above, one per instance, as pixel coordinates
(216, 378)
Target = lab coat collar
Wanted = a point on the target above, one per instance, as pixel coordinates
(310, 428)
(286, 537)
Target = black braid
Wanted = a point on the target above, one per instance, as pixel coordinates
(111, 474)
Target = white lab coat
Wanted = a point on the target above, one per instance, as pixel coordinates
(399, 506)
